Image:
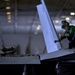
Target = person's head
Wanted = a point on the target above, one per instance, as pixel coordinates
(65, 25)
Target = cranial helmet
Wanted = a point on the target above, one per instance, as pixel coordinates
(64, 24)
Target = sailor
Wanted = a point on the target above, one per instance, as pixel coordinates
(69, 33)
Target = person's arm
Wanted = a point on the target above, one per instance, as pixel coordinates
(61, 38)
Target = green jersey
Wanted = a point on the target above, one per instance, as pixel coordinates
(70, 32)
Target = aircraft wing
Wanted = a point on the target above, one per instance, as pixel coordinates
(54, 50)
(20, 60)
(62, 54)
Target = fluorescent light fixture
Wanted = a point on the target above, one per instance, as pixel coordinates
(67, 18)
(8, 13)
(38, 27)
(9, 21)
(9, 16)
(56, 21)
(72, 13)
(7, 7)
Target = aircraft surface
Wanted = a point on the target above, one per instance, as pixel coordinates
(54, 50)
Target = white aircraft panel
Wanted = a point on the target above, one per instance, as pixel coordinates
(47, 31)
(59, 53)
(55, 37)
(20, 60)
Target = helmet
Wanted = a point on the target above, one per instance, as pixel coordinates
(64, 24)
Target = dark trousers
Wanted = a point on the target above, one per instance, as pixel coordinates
(72, 41)
(66, 68)
(48, 68)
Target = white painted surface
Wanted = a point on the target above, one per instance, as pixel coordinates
(48, 31)
(56, 54)
(20, 60)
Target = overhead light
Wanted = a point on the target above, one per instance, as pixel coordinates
(72, 13)
(8, 13)
(56, 21)
(9, 16)
(67, 18)
(7, 7)
(9, 21)
(38, 27)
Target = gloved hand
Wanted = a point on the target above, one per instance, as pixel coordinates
(56, 41)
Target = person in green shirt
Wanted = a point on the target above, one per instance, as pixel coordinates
(69, 33)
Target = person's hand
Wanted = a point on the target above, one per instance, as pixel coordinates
(56, 41)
